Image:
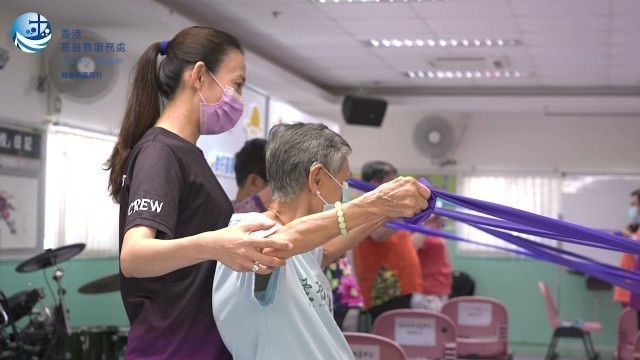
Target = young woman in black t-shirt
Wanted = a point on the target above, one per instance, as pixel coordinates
(173, 211)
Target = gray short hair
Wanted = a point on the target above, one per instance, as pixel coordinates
(291, 151)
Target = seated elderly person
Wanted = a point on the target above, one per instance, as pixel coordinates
(287, 314)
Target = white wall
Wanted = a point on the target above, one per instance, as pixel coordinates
(505, 142)
(20, 103)
(494, 141)
(566, 143)
(106, 113)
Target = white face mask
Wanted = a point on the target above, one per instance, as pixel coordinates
(633, 214)
(345, 193)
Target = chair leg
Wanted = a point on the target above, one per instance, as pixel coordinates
(552, 348)
(593, 348)
(587, 349)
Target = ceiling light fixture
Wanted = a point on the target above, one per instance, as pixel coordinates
(468, 74)
(452, 43)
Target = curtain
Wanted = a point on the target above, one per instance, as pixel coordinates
(78, 208)
(537, 194)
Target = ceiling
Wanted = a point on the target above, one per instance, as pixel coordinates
(583, 54)
(91, 14)
(573, 46)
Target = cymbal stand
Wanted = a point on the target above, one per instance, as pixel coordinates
(58, 273)
(5, 317)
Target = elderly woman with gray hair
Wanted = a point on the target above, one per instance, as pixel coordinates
(287, 314)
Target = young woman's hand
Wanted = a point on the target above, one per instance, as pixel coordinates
(239, 251)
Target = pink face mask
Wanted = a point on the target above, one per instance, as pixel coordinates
(223, 115)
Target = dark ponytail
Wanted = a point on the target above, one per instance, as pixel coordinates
(151, 86)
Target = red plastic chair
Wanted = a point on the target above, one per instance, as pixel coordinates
(482, 326)
(636, 347)
(627, 331)
(566, 329)
(422, 334)
(370, 346)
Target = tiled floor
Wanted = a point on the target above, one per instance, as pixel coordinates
(537, 352)
(568, 357)
(540, 357)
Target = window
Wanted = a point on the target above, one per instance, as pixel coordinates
(78, 208)
(537, 194)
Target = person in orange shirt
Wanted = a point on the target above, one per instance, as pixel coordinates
(627, 261)
(436, 268)
(386, 263)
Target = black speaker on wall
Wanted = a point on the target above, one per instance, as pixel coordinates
(363, 111)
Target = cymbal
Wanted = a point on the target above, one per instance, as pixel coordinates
(103, 285)
(50, 257)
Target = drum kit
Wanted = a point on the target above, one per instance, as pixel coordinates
(27, 333)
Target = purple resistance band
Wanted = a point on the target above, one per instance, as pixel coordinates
(421, 229)
(611, 274)
(506, 225)
(562, 230)
(558, 227)
(524, 222)
(594, 269)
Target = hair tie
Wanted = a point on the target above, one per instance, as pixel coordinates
(163, 47)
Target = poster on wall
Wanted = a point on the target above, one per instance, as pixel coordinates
(18, 212)
(282, 113)
(220, 150)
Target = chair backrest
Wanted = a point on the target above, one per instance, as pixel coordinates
(636, 347)
(552, 310)
(373, 347)
(627, 331)
(422, 334)
(478, 316)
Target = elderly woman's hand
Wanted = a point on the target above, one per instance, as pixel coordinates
(402, 197)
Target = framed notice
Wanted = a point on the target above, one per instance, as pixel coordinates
(474, 314)
(20, 143)
(22, 163)
(18, 212)
(415, 331)
(22, 148)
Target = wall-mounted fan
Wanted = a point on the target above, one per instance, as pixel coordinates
(62, 60)
(437, 138)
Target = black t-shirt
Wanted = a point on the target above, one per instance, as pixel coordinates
(169, 186)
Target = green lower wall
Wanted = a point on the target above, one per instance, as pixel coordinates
(512, 281)
(84, 310)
